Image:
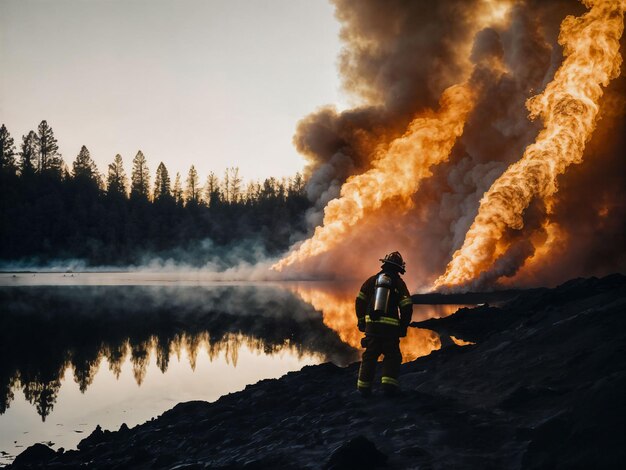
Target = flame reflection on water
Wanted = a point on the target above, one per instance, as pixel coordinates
(336, 302)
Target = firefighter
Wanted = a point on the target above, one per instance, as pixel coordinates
(377, 305)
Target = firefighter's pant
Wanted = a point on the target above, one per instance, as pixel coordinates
(375, 346)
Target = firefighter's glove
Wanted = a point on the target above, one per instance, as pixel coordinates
(361, 324)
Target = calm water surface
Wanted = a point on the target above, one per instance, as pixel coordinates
(77, 350)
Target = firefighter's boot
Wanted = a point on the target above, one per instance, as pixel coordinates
(391, 367)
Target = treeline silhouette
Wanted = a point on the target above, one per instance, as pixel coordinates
(45, 330)
(49, 211)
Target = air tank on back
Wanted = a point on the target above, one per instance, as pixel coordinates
(383, 291)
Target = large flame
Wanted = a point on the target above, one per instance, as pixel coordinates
(395, 174)
(569, 108)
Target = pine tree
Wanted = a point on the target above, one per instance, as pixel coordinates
(48, 156)
(85, 169)
(282, 188)
(7, 151)
(212, 189)
(270, 187)
(193, 186)
(117, 183)
(226, 186)
(140, 177)
(28, 154)
(235, 184)
(162, 184)
(252, 192)
(178, 190)
(296, 185)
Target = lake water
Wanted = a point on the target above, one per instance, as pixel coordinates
(78, 349)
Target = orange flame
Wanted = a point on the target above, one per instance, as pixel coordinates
(337, 307)
(569, 108)
(395, 173)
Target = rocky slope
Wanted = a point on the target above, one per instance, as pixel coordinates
(543, 387)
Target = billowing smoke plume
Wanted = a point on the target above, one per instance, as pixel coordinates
(398, 60)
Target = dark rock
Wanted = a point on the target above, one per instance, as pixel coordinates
(164, 461)
(258, 394)
(270, 462)
(524, 396)
(139, 455)
(358, 453)
(37, 454)
(416, 452)
(97, 436)
(187, 466)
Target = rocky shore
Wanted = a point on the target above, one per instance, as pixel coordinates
(542, 387)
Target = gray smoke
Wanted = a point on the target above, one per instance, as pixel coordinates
(397, 58)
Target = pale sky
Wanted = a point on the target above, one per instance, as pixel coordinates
(215, 83)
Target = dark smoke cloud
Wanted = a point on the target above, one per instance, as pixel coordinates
(402, 54)
(336, 146)
(398, 57)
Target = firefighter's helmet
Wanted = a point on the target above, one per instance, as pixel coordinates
(395, 259)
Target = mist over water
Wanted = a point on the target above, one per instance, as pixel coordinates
(204, 260)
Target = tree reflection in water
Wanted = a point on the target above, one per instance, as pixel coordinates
(45, 330)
